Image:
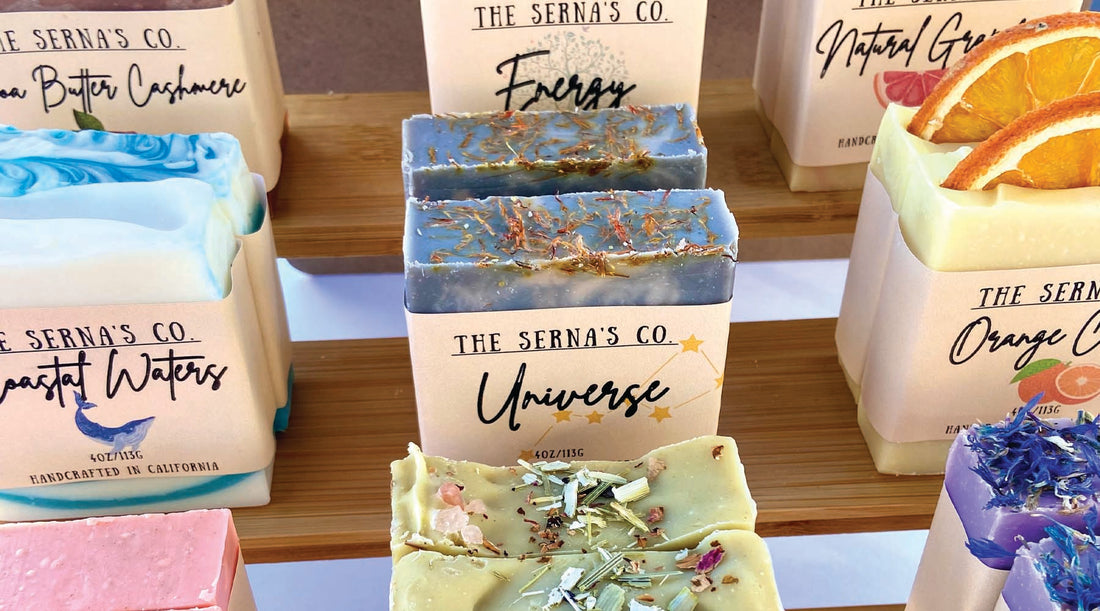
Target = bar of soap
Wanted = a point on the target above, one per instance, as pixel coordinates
(33, 161)
(174, 561)
(94, 244)
(741, 578)
(636, 148)
(1059, 573)
(1004, 485)
(570, 250)
(1004, 228)
(44, 159)
(104, 244)
(684, 492)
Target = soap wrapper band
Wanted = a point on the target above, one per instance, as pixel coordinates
(946, 349)
(114, 392)
(949, 576)
(567, 383)
(186, 71)
(267, 291)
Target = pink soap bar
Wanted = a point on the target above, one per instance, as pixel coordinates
(155, 561)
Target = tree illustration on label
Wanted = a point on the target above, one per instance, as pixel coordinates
(566, 70)
(906, 87)
(118, 437)
(1059, 382)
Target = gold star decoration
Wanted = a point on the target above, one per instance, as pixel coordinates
(691, 344)
(527, 455)
(595, 417)
(718, 381)
(660, 413)
(563, 416)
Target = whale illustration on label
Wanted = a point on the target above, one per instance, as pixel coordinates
(118, 437)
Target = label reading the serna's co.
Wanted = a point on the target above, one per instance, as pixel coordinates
(183, 71)
(854, 57)
(567, 383)
(115, 392)
(545, 55)
(948, 349)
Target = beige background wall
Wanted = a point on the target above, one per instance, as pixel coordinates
(378, 45)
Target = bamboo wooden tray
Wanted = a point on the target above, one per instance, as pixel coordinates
(340, 194)
(785, 402)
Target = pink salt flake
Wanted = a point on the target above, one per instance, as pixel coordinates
(450, 520)
(476, 506)
(451, 494)
(472, 535)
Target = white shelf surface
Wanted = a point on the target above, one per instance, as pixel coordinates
(811, 571)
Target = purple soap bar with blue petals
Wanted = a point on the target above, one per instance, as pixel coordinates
(609, 248)
(1059, 573)
(1010, 481)
(528, 153)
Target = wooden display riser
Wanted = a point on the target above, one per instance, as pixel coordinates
(340, 195)
(784, 401)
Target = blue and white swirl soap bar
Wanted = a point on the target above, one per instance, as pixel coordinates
(44, 159)
(124, 298)
(34, 161)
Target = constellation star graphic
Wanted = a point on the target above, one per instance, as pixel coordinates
(595, 417)
(563, 416)
(691, 344)
(660, 413)
(527, 455)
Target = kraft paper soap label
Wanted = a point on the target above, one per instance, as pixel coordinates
(116, 392)
(852, 58)
(544, 55)
(567, 383)
(189, 71)
(947, 349)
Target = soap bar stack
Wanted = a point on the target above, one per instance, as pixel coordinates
(171, 562)
(674, 525)
(1005, 484)
(123, 222)
(36, 161)
(557, 206)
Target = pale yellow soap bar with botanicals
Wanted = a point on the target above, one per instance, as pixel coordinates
(1007, 227)
(666, 500)
(727, 570)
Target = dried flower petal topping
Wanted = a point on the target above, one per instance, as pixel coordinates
(1025, 457)
(655, 466)
(689, 562)
(1072, 568)
(716, 452)
(700, 583)
(710, 560)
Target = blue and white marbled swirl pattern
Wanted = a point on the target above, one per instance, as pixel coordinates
(39, 160)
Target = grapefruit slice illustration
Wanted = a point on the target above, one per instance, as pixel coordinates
(906, 87)
(1078, 383)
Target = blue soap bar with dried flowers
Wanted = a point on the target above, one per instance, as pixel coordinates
(673, 247)
(479, 155)
(1059, 573)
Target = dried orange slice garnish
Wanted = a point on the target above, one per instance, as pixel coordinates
(1013, 72)
(1055, 147)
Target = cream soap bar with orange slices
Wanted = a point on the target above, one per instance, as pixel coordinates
(957, 297)
(826, 71)
(666, 500)
(727, 569)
